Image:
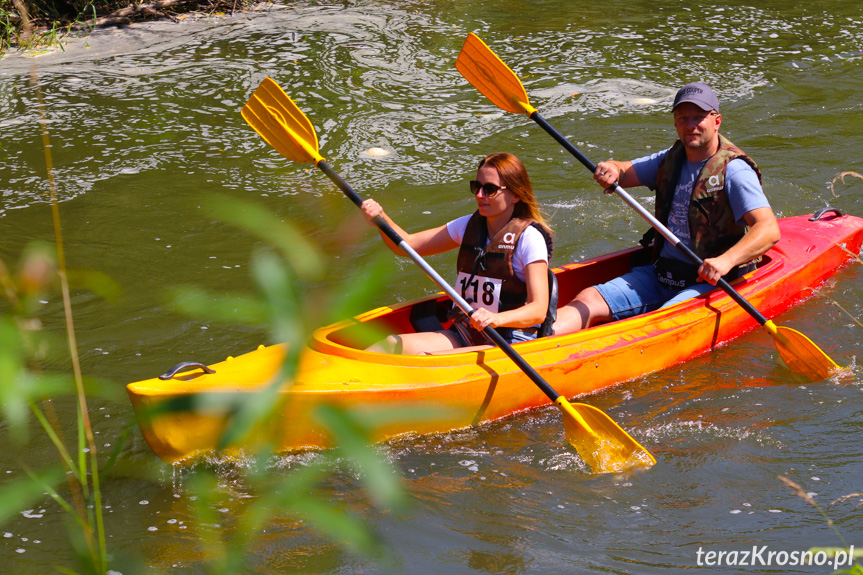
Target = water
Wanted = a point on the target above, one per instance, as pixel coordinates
(146, 133)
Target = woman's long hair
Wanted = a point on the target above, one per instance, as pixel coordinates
(513, 176)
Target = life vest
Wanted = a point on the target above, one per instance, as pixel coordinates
(485, 273)
(712, 226)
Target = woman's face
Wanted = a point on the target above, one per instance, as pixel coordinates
(493, 203)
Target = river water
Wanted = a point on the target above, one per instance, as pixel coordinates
(146, 132)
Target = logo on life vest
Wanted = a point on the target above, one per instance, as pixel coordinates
(713, 184)
(508, 241)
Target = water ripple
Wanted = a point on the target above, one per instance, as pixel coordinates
(155, 100)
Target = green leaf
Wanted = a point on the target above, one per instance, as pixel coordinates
(15, 381)
(211, 404)
(364, 287)
(201, 304)
(276, 282)
(302, 254)
(353, 439)
(340, 525)
(25, 492)
(95, 281)
(252, 411)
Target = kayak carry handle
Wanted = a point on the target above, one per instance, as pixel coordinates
(817, 215)
(182, 366)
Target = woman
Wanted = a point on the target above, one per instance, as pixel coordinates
(504, 248)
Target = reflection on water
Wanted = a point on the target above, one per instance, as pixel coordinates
(145, 129)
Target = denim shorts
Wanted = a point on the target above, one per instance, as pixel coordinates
(518, 335)
(640, 292)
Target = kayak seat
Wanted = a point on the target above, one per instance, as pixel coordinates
(430, 315)
(547, 326)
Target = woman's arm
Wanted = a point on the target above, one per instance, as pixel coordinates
(425, 243)
(531, 313)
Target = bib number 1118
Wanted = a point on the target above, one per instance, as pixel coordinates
(483, 292)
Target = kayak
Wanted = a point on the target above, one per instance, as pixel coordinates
(480, 386)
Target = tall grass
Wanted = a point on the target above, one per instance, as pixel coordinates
(285, 265)
(288, 270)
(25, 385)
(31, 25)
(77, 481)
(846, 550)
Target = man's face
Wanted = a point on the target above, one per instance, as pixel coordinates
(696, 128)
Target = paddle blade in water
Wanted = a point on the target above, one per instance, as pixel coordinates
(273, 115)
(599, 441)
(800, 354)
(494, 79)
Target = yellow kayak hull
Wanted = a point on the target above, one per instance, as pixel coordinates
(481, 386)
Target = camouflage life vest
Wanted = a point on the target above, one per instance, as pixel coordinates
(712, 226)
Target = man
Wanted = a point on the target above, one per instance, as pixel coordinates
(708, 193)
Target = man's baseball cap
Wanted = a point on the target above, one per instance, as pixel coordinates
(699, 94)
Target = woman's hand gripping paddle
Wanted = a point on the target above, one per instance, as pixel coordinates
(600, 442)
(497, 82)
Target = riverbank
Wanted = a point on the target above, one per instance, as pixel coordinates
(53, 20)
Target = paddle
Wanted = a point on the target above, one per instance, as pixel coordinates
(496, 81)
(600, 442)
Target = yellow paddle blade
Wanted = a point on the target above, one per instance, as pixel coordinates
(599, 441)
(800, 354)
(494, 79)
(273, 115)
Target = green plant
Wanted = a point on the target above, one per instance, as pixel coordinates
(841, 555)
(8, 27)
(280, 272)
(75, 482)
(23, 385)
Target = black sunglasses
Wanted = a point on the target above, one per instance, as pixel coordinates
(490, 190)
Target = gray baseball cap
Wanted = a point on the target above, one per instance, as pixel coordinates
(699, 94)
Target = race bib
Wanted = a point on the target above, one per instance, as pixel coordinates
(483, 292)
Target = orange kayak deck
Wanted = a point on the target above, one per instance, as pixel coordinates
(182, 418)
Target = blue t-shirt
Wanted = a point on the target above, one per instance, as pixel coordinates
(741, 184)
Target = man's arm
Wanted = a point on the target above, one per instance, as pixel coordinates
(611, 171)
(763, 235)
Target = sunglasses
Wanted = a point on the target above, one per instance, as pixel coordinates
(488, 189)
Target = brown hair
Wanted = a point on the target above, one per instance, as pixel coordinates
(513, 176)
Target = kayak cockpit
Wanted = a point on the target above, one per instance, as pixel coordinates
(433, 312)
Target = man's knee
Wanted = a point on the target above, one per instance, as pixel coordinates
(589, 296)
(585, 310)
(592, 306)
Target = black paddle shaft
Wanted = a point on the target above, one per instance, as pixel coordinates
(441, 283)
(693, 257)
